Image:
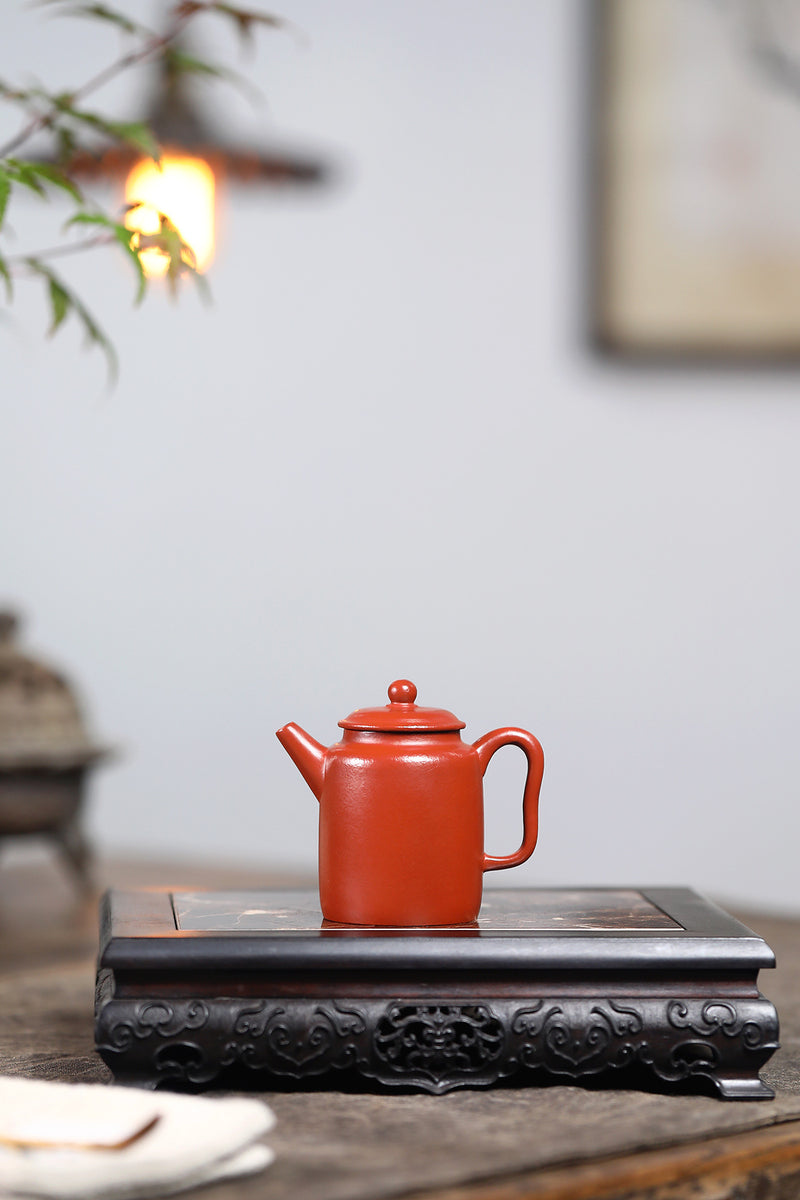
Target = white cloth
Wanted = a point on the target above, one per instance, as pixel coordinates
(78, 1141)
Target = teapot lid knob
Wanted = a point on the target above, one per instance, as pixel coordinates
(402, 715)
(402, 691)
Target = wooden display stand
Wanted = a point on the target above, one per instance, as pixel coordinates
(656, 986)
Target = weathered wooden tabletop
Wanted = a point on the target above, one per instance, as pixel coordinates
(549, 1143)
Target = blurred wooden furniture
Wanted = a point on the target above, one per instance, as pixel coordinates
(549, 1143)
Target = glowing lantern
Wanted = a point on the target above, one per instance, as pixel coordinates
(195, 160)
(183, 189)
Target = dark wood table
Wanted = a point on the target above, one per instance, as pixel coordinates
(549, 1143)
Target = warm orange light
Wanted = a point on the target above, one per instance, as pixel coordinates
(182, 189)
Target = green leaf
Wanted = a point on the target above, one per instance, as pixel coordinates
(5, 192)
(202, 285)
(138, 134)
(95, 336)
(85, 218)
(187, 64)
(57, 178)
(132, 133)
(60, 303)
(121, 234)
(32, 175)
(5, 275)
(22, 172)
(125, 238)
(169, 243)
(102, 12)
(66, 144)
(60, 299)
(60, 100)
(180, 256)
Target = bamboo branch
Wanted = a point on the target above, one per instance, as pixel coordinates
(152, 47)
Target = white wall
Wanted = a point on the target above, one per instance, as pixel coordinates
(382, 453)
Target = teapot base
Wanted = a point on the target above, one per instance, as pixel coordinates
(630, 987)
(460, 922)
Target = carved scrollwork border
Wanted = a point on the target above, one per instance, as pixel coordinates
(438, 1044)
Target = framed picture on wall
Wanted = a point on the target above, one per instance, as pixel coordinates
(696, 212)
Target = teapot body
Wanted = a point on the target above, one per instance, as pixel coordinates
(401, 830)
(401, 812)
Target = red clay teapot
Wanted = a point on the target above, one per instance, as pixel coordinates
(401, 812)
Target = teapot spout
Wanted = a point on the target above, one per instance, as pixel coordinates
(306, 754)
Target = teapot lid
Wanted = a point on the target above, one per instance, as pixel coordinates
(401, 714)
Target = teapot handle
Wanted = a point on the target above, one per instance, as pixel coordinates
(486, 747)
